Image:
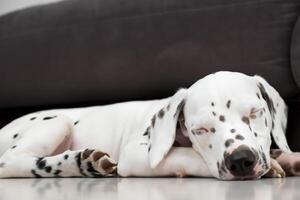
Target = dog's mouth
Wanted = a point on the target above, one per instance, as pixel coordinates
(253, 176)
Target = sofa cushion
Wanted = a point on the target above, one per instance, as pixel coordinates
(295, 52)
(98, 50)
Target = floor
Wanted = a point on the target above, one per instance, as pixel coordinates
(148, 188)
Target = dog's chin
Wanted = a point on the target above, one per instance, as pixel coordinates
(230, 177)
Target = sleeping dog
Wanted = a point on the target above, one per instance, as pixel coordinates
(221, 127)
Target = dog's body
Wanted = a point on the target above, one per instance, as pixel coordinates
(136, 138)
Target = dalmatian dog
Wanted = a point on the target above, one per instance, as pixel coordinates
(221, 127)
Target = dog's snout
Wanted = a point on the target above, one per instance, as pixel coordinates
(241, 162)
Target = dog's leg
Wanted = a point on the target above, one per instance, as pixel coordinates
(38, 153)
(180, 161)
(81, 163)
(290, 162)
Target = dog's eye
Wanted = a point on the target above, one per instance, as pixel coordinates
(200, 131)
(256, 112)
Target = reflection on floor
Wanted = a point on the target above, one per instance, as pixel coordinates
(148, 188)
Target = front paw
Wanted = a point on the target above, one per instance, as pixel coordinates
(276, 170)
(99, 163)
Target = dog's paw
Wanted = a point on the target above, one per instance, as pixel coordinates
(99, 163)
(276, 170)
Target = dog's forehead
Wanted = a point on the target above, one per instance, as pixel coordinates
(224, 82)
(223, 87)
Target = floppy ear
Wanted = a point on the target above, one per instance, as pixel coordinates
(163, 130)
(278, 111)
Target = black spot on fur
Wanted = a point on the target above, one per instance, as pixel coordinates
(228, 142)
(255, 134)
(32, 118)
(268, 100)
(91, 168)
(153, 120)
(15, 136)
(232, 130)
(40, 163)
(212, 104)
(264, 159)
(222, 118)
(246, 120)
(213, 130)
(161, 113)
(147, 131)
(35, 174)
(13, 146)
(210, 146)
(168, 107)
(86, 153)
(76, 123)
(239, 137)
(228, 104)
(78, 162)
(59, 163)
(47, 118)
(57, 172)
(214, 114)
(257, 95)
(48, 169)
(179, 108)
(66, 157)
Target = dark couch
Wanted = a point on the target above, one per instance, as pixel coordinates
(86, 52)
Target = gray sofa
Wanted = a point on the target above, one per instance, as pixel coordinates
(86, 52)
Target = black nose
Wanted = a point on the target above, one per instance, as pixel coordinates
(241, 161)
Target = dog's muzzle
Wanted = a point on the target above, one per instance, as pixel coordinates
(241, 162)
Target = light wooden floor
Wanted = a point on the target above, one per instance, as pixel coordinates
(148, 188)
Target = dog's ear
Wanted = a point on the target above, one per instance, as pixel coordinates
(163, 127)
(278, 111)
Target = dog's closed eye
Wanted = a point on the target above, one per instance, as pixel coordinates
(203, 130)
(256, 112)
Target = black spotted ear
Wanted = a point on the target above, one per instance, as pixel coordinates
(163, 131)
(278, 112)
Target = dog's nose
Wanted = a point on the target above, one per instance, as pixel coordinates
(241, 161)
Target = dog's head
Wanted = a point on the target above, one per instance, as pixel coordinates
(229, 118)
